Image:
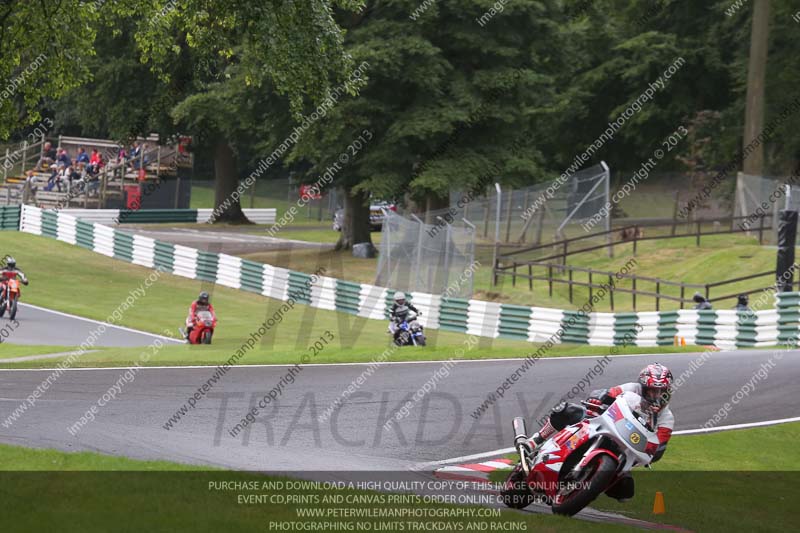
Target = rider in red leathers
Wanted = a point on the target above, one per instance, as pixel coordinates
(201, 304)
(655, 388)
(8, 273)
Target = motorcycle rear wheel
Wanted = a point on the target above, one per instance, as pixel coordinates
(603, 469)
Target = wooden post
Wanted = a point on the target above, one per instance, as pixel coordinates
(514, 277)
(675, 212)
(530, 277)
(658, 294)
(683, 289)
(635, 239)
(550, 278)
(590, 285)
(707, 291)
(633, 293)
(611, 291)
(570, 285)
(564, 258)
(698, 232)
(761, 229)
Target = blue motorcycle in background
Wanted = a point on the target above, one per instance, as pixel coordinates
(409, 331)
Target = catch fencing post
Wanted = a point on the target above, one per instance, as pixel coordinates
(609, 237)
(497, 224)
(419, 249)
(508, 214)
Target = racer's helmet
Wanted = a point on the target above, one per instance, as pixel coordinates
(11, 262)
(656, 382)
(203, 298)
(400, 298)
(743, 300)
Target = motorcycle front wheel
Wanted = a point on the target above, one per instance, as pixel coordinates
(593, 480)
(12, 310)
(515, 493)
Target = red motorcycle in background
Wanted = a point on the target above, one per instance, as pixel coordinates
(9, 297)
(203, 330)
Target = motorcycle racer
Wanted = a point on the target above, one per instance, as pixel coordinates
(10, 272)
(202, 303)
(654, 386)
(398, 311)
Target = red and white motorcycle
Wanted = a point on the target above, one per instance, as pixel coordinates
(583, 460)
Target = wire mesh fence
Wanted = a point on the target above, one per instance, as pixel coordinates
(432, 258)
(532, 214)
(766, 196)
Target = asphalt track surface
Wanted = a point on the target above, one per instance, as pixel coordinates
(288, 435)
(40, 326)
(229, 242)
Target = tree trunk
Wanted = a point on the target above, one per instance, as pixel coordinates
(756, 74)
(434, 202)
(226, 182)
(356, 226)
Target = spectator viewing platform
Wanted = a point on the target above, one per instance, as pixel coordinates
(98, 173)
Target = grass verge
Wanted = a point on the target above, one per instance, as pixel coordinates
(742, 480)
(52, 490)
(99, 285)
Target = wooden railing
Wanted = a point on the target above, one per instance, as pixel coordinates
(634, 235)
(608, 281)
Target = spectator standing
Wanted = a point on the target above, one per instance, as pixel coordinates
(29, 189)
(701, 304)
(743, 303)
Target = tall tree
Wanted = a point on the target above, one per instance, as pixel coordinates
(448, 102)
(43, 51)
(295, 47)
(756, 81)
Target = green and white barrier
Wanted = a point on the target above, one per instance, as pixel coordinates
(153, 216)
(723, 328)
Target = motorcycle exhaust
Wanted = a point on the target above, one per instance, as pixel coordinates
(521, 442)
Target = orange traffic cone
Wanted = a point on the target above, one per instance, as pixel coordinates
(683, 341)
(658, 504)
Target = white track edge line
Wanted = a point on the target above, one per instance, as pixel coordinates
(76, 317)
(369, 363)
(503, 451)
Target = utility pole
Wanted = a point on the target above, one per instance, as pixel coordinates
(756, 78)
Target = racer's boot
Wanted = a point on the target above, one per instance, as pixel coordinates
(622, 490)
